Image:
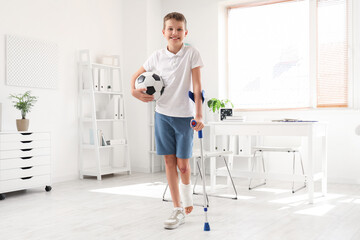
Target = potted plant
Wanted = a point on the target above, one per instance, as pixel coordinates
(216, 104)
(24, 103)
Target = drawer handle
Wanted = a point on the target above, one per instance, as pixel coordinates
(24, 168)
(26, 149)
(29, 133)
(26, 141)
(25, 157)
(26, 178)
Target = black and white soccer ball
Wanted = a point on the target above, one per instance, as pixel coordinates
(152, 82)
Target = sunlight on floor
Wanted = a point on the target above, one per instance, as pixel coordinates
(151, 190)
(351, 200)
(156, 190)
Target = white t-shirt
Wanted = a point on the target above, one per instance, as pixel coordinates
(175, 70)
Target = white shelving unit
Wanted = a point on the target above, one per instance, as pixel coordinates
(103, 138)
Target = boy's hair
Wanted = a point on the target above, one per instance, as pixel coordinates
(177, 16)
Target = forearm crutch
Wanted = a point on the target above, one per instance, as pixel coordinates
(193, 124)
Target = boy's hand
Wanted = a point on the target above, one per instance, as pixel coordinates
(139, 94)
(199, 124)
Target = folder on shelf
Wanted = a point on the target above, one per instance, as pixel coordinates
(95, 73)
(121, 108)
(102, 80)
(116, 107)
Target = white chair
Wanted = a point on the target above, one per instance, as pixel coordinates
(261, 150)
(208, 155)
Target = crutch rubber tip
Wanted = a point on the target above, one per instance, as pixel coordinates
(206, 227)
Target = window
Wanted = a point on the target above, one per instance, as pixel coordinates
(269, 51)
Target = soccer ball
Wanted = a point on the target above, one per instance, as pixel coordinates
(152, 82)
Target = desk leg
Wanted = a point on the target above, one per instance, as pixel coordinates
(310, 170)
(324, 165)
(212, 159)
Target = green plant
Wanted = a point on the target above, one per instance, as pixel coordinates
(215, 104)
(23, 102)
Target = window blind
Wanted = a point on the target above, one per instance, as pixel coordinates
(332, 53)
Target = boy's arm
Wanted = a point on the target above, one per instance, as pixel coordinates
(138, 93)
(196, 79)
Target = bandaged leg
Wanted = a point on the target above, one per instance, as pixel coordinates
(186, 195)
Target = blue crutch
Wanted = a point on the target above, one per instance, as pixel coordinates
(193, 123)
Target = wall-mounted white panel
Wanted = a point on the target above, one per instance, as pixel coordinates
(31, 63)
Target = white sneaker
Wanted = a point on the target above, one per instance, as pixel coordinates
(176, 218)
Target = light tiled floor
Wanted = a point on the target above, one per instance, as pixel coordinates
(130, 207)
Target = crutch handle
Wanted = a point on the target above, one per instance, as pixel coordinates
(193, 124)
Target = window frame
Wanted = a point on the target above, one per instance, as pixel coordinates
(353, 94)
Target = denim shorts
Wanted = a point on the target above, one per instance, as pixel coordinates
(173, 135)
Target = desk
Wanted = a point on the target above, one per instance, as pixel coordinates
(309, 130)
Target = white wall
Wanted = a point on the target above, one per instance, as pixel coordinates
(141, 36)
(343, 143)
(73, 25)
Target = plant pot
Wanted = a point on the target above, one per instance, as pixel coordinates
(22, 124)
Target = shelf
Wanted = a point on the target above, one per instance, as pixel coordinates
(104, 171)
(101, 92)
(99, 65)
(103, 120)
(102, 112)
(89, 146)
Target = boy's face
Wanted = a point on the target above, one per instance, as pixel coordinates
(174, 32)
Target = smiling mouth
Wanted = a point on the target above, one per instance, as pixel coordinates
(174, 38)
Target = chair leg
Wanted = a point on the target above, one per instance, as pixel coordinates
(293, 183)
(214, 195)
(163, 197)
(303, 172)
(232, 181)
(252, 170)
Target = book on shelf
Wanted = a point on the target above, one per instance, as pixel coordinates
(102, 141)
(121, 107)
(234, 119)
(116, 107)
(292, 120)
(95, 73)
(102, 80)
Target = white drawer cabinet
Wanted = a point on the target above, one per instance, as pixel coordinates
(25, 161)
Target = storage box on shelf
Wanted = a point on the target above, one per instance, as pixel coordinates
(25, 161)
(102, 122)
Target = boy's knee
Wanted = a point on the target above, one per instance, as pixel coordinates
(184, 169)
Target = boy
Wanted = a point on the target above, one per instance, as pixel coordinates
(178, 65)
